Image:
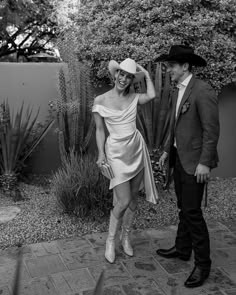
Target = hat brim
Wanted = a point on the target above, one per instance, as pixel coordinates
(113, 66)
(194, 59)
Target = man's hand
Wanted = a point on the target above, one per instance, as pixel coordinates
(202, 173)
(162, 159)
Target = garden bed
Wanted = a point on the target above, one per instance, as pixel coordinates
(41, 218)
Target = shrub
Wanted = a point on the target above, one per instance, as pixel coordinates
(80, 188)
(143, 29)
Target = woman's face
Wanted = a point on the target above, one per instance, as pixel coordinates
(123, 79)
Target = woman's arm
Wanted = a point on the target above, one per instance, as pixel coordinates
(100, 138)
(151, 92)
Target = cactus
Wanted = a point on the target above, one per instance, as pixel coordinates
(61, 143)
(62, 110)
(74, 115)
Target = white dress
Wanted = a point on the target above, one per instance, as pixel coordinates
(125, 148)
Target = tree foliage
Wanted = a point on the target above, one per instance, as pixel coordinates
(26, 27)
(143, 29)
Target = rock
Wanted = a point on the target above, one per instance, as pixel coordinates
(8, 213)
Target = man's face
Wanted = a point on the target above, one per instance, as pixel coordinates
(176, 70)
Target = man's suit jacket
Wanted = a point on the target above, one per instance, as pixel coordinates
(196, 127)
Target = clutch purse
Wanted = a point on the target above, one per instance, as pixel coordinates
(106, 170)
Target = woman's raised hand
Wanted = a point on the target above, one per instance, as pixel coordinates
(140, 68)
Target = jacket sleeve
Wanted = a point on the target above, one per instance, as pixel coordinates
(207, 106)
(167, 143)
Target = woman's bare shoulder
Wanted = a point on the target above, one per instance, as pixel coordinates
(101, 99)
(98, 99)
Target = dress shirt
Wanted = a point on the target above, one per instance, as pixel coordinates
(182, 87)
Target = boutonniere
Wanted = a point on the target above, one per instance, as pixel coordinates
(185, 107)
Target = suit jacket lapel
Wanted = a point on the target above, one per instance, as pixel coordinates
(185, 96)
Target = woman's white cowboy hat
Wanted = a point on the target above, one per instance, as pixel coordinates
(128, 65)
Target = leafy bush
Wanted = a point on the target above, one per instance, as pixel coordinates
(80, 188)
(143, 29)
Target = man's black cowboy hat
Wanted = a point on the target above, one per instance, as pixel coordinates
(182, 53)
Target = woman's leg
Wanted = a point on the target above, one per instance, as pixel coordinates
(123, 196)
(130, 214)
(135, 184)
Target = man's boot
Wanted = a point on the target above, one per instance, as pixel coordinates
(110, 242)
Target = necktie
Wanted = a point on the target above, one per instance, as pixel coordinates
(179, 97)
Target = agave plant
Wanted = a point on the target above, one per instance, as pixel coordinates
(16, 142)
(153, 120)
(153, 117)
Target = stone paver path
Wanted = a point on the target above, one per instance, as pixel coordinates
(72, 266)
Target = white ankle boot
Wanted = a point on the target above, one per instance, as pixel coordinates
(126, 229)
(110, 242)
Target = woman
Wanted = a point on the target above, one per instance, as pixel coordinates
(124, 149)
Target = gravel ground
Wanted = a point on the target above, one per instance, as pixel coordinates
(41, 219)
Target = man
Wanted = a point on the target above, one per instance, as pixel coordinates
(191, 146)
